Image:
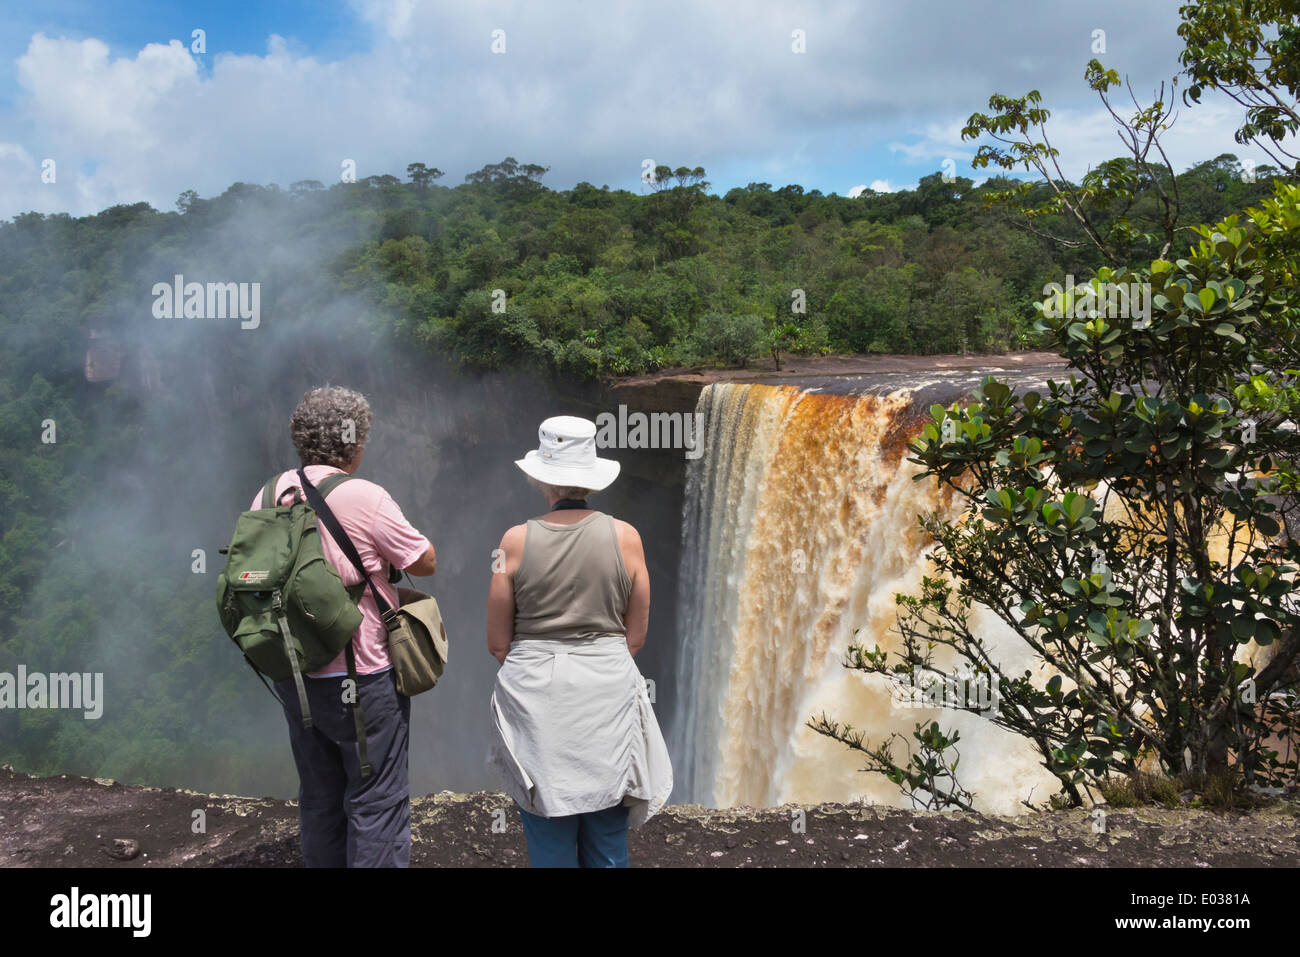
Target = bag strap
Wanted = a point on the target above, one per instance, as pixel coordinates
(316, 500)
(331, 482)
(268, 492)
(359, 722)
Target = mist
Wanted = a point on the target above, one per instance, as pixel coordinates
(201, 409)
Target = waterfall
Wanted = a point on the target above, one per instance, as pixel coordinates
(799, 527)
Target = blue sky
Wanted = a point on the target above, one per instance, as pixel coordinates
(114, 98)
(325, 28)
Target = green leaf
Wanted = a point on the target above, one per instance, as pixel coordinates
(1227, 330)
(1266, 631)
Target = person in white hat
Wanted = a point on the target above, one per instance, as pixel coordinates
(575, 738)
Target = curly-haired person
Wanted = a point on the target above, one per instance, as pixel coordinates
(345, 818)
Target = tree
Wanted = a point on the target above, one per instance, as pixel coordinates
(1251, 53)
(665, 177)
(1091, 205)
(782, 335)
(510, 177)
(677, 195)
(870, 315)
(379, 181)
(734, 339)
(422, 175)
(584, 234)
(936, 197)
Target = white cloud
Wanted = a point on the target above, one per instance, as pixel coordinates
(1085, 137)
(77, 89)
(936, 141)
(590, 90)
(881, 186)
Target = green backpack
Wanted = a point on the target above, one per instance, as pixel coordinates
(282, 601)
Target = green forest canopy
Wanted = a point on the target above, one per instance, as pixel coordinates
(601, 282)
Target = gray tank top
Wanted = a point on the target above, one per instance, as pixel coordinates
(571, 581)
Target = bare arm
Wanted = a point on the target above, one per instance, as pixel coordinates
(501, 593)
(637, 616)
(426, 564)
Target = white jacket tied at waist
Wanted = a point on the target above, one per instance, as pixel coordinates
(574, 731)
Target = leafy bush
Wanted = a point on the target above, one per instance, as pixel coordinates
(734, 339)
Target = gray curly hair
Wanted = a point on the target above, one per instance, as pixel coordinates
(329, 425)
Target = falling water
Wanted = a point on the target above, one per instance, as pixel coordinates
(800, 526)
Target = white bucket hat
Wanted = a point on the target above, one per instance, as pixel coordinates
(566, 455)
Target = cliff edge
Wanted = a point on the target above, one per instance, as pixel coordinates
(70, 821)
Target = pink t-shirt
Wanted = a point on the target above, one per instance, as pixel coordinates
(382, 536)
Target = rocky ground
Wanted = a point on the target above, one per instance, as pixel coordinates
(70, 821)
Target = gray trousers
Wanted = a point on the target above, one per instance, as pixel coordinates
(345, 820)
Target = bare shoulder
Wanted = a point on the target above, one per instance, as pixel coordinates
(628, 537)
(626, 530)
(513, 540)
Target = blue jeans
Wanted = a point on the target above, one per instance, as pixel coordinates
(594, 839)
(345, 820)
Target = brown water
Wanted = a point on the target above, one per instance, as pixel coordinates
(800, 526)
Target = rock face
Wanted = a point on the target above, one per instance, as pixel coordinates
(677, 390)
(670, 393)
(103, 357)
(65, 821)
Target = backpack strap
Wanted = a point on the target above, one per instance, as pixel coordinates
(268, 491)
(277, 603)
(331, 482)
(316, 499)
(269, 498)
